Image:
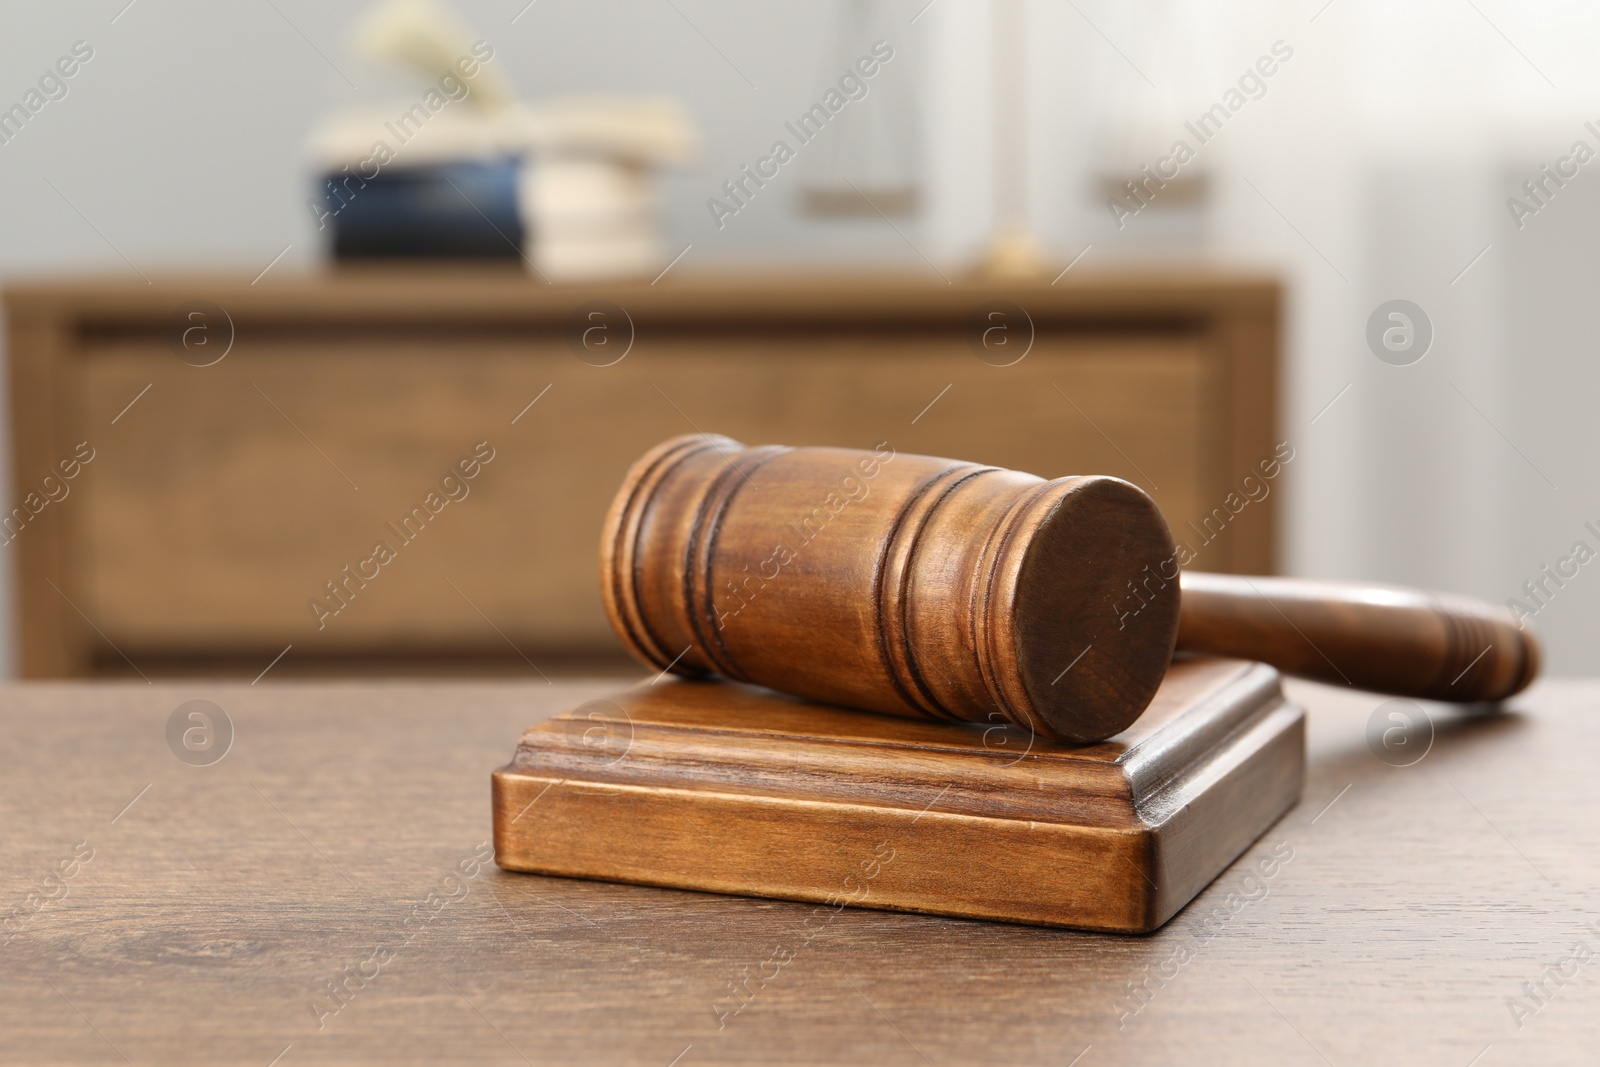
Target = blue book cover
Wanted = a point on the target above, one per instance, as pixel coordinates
(454, 210)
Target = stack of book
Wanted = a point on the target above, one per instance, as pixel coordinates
(588, 191)
(448, 190)
(465, 170)
(568, 185)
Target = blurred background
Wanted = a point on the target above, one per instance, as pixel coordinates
(1426, 154)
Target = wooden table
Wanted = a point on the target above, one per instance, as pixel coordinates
(220, 901)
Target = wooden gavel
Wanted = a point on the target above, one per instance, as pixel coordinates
(933, 588)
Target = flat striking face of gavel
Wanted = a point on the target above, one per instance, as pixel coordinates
(934, 588)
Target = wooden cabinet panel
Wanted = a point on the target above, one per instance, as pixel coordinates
(214, 519)
(222, 502)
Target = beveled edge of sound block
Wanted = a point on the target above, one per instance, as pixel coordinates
(729, 788)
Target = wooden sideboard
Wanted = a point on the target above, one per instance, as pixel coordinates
(211, 506)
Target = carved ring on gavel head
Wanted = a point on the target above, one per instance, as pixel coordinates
(896, 583)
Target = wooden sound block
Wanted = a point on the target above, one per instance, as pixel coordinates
(728, 788)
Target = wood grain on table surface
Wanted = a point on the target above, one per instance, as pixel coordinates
(219, 903)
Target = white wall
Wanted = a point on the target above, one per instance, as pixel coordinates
(1376, 166)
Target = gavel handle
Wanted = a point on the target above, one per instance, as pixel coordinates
(1382, 638)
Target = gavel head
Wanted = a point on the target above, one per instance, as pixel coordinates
(896, 583)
